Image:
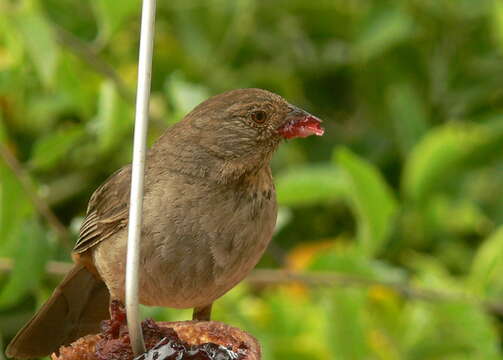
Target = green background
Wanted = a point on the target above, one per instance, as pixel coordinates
(399, 206)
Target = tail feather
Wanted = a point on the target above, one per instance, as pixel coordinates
(75, 309)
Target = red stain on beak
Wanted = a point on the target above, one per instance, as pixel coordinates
(300, 124)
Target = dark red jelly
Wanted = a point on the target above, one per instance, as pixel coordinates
(162, 343)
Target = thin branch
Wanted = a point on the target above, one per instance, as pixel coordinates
(326, 279)
(54, 268)
(273, 277)
(40, 205)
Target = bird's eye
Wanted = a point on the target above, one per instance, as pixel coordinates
(259, 116)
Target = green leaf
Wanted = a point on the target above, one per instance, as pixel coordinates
(115, 117)
(347, 261)
(184, 95)
(294, 319)
(443, 153)
(431, 273)
(408, 115)
(462, 216)
(382, 30)
(55, 146)
(39, 41)
(497, 22)
(485, 274)
(347, 331)
(284, 217)
(11, 217)
(111, 14)
(471, 334)
(3, 130)
(31, 255)
(371, 199)
(350, 261)
(310, 185)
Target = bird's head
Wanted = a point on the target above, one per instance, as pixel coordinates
(242, 129)
(243, 122)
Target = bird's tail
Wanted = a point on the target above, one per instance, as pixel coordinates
(75, 309)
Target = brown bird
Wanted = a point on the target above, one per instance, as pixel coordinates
(209, 212)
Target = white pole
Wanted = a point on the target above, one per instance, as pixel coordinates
(136, 200)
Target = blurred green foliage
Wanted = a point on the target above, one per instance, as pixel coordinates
(404, 188)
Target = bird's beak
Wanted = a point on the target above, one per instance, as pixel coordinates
(300, 123)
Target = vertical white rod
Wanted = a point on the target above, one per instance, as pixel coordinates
(136, 200)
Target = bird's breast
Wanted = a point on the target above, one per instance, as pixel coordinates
(201, 240)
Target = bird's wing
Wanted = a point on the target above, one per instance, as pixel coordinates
(107, 212)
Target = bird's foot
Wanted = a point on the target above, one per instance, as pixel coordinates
(117, 324)
(202, 313)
